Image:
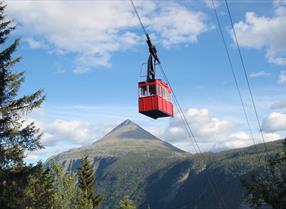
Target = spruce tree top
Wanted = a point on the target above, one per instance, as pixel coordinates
(17, 137)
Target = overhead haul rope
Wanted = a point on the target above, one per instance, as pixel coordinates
(233, 73)
(187, 125)
(246, 76)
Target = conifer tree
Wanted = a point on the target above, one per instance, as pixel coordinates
(40, 190)
(17, 137)
(86, 180)
(126, 203)
(269, 186)
(66, 194)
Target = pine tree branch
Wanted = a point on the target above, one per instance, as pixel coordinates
(5, 55)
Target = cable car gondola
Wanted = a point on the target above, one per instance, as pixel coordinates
(154, 95)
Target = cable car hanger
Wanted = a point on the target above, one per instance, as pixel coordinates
(151, 65)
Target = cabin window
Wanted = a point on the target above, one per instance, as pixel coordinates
(159, 90)
(143, 91)
(166, 94)
(152, 90)
(149, 90)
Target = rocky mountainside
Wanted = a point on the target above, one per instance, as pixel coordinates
(131, 161)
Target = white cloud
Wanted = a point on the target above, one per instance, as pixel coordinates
(74, 131)
(265, 33)
(204, 126)
(274, 122)
(259, 74)
(282, 77)
(176, 24)
(237, 140)
(94, 30)
(242, 139)
(271, 137)
(212, 133)
(44, 154)
(71, 131)
(33, 43)
(231, 141)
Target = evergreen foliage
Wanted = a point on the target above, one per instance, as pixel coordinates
(40, 190)
(13, 184)
(270, 185)
(67, 194)
(17, 136)
(86, 180)
(126, 203)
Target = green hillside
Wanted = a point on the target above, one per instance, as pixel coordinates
(131, 161)
(215, 184)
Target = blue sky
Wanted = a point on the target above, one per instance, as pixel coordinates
(87, 56)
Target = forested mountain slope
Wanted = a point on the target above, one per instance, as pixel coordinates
(131, 161)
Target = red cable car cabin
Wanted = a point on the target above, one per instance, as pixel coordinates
(154, 95)
(155, 99)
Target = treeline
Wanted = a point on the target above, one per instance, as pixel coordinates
(267, 187)
(44, 188)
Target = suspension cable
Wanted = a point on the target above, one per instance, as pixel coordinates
(140, 21)
(233, 73)
(187, 125)
(246, 76)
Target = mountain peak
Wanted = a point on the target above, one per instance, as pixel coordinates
(128, 130)
(127, 122)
